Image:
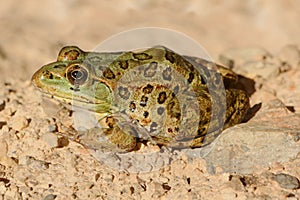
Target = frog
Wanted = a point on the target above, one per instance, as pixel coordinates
(151, 95)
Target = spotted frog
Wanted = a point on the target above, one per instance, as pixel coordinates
(149, 96)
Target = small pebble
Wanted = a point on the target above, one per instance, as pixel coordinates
(287, 181)
(51, 139)
(18, 122)
(50, 197)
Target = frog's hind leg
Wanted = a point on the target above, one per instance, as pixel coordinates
(237, 106)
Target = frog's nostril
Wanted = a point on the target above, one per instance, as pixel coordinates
(36, 75)
(36, 78)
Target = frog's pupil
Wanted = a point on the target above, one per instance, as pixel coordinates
(76, 74)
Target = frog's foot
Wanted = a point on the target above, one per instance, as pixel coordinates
(108, 139)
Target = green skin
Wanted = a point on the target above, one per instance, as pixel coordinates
(154, 95)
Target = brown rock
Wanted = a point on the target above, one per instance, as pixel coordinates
(18, 122)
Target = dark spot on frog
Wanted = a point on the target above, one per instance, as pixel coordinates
(108, 73)
(110, 121)
(144, 100)
(170, 130)
(208, 109)
(59, 66)
(123, 64)
(162, 97)
(203, 80)
(204, 122)
(171, 104)
(151, 69)
(71, 55)
(141, 56)
(170, 56)
(172, 111)
(76, 89)
(191, 77)
(124, 92)
(167, 74)
(201, 131)
(148, 89)
(160, 110)
(146, 114)
(47, 74)
(153, 126)
(132, 106)
(176, 115)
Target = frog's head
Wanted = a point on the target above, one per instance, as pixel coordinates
(73, 81)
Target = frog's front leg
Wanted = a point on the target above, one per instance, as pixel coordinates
(107, 139)
(113, 134)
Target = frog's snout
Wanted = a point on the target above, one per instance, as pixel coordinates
(35, 78)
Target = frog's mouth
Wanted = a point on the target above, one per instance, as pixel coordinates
(73, 99)
(67, 100)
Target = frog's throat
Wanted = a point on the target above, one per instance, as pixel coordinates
(99, 106)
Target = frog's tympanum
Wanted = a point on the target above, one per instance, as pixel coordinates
(154, 95)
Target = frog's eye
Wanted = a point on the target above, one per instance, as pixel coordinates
(76, 74)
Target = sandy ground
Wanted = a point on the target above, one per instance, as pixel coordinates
(255, 160)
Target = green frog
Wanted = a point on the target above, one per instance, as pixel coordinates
(152, 95)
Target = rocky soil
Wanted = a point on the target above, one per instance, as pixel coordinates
(258, 159)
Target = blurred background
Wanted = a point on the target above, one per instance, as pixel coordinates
(32, 32)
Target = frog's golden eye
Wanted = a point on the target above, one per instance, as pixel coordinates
(76, 74)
